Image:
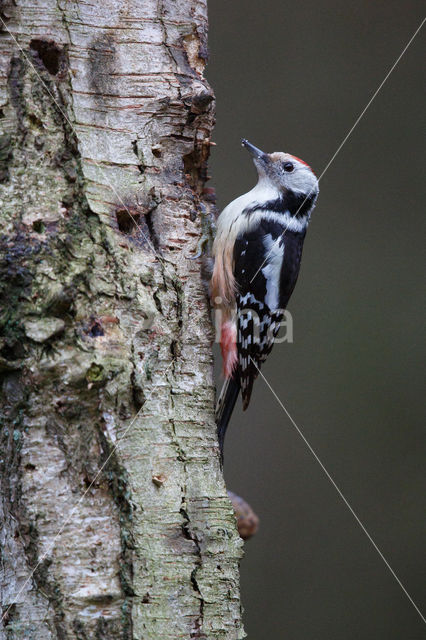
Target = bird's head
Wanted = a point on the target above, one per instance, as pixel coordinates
(284, 171)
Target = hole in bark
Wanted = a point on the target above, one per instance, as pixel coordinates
(185, 524)
(30, 467)
(8, 614)
(39, 226)
(138, 395)
(173, 348)
(138, 399)
(49, 53)
(140, 164)
(13, 351)
(96, 330)
(35, 120)
(39, 142)
(66, 205)
(195, 169)
(189, 164)
(150, 224)
(87, 481)
(185, 532)
(127, 221)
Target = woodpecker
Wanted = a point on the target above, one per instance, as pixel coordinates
(257, 252)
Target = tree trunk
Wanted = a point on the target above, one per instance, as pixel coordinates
(116, 522)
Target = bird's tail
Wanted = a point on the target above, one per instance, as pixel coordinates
(224, 407)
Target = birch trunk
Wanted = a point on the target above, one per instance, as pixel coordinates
(115, 518)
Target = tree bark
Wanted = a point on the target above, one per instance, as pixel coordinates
(115, 518)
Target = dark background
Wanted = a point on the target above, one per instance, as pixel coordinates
(294, 76)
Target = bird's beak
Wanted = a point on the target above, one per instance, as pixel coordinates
(261, 159)
(254, 151)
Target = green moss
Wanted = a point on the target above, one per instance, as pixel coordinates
(96, 373)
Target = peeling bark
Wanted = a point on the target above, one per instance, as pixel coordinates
(105, 347)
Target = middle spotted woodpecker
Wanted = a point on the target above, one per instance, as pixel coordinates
(257, 253)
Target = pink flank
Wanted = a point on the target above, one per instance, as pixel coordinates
(228, 345)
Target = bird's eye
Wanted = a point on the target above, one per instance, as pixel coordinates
(288, 166)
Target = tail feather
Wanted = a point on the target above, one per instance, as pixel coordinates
(224, 407)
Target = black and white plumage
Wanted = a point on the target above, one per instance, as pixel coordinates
(262, 297)
(257, 251)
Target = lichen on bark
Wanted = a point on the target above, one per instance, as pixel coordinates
(105, 348)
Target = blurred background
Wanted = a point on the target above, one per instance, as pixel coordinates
(295, 76)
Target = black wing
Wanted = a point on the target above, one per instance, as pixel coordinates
(264, 289)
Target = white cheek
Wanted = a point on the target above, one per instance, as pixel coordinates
(302, 181)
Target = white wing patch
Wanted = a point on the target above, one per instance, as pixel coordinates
(272, 270)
